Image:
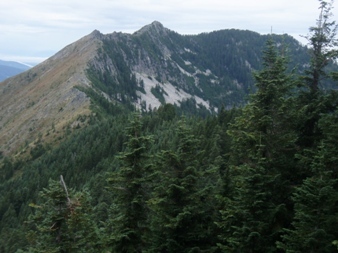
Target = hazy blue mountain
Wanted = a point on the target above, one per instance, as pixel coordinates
(11, 68)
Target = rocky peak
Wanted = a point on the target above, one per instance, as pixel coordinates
(95, 34)
(155, 28)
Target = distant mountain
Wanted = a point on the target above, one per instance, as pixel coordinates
(145, 69)
(11, 68)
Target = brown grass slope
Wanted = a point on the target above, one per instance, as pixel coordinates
(42, 102)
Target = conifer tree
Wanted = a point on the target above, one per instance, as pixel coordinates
(182, 203)
(256, 207)
(315, 196)
(313, 228)
(315, 213)
(128, 187)
(11, 235)
(323, 44)
(62, 222)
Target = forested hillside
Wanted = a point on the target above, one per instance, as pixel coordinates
(259, 178)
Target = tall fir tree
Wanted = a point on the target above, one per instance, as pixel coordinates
(255, 208)
(128, 187)
(323, 46)
(315, 195)
(314, 226)
(323, 51)
(182, 203)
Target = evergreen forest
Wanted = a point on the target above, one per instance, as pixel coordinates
(259, 178)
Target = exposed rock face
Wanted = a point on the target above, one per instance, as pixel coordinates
(148, 55)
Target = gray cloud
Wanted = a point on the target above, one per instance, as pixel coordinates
(35, 28)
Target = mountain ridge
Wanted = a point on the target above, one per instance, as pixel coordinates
(146, 69)
(44, 97)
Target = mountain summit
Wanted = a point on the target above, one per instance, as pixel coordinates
(145, 69)
(156, 28)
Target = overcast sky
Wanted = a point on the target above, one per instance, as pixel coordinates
(33, 30)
